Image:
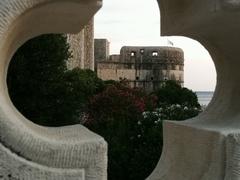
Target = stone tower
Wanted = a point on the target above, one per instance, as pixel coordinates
(82, 47)
(146, 67)
(101, 51)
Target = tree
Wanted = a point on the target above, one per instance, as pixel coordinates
(115, 114)
(172, 93)
(131, 122)
(79, 85)
(41, 87)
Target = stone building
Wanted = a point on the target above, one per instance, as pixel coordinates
(82, 47)
(145, 67)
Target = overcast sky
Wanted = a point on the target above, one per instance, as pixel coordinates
(137, 23)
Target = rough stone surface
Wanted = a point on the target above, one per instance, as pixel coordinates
(29, 151)
(81, 45)
(89, 46)
(76, 42)
(206, 147)
(18, 168)
(101, 49)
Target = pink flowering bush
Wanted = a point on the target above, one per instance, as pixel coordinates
(131, 122)
(118, 102)
(115, 114)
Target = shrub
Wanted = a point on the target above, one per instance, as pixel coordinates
(172, 93)
(114, 114)
(131, 123)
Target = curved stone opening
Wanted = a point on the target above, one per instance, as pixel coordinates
(199, 69)
(120, 38)
(38, 82)
(22, 141)
(205, 147)
(209, 140)
(36, 22)
(24, 28)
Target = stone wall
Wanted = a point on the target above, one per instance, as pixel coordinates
(89, 46)
(101, 49)
(82, 47)
(145, 67)
(76, 42)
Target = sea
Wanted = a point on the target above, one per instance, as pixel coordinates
(204, 97)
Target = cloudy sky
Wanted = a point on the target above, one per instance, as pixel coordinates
(137, 23)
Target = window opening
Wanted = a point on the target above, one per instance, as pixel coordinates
(154, 54)
(133, 54)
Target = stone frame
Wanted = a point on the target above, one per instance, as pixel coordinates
(29, 151)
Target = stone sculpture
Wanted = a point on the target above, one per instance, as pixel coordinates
(29, 151)
(206, 147)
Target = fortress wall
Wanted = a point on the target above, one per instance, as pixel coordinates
(89, 46)
(148, 79)
(145, 67)
(82, 47)
(76, 42)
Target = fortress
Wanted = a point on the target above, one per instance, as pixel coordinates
(145, 67)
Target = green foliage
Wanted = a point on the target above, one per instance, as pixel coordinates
(131, 123)
(130, 120)
(114, 114)
(172, 93)
(81, 85)
(40, 86)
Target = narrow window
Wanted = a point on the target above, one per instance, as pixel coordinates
(133, 54)
(154, 54)
(137, 78)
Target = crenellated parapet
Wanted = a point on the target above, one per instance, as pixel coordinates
(157, 54)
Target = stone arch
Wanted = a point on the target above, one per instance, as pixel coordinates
(29, 151)
(205, 147)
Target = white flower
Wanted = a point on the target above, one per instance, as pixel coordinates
(178, 105)
(145, 114)
(159, 109)
(139, 135)
(139, 123)
(185, 108)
